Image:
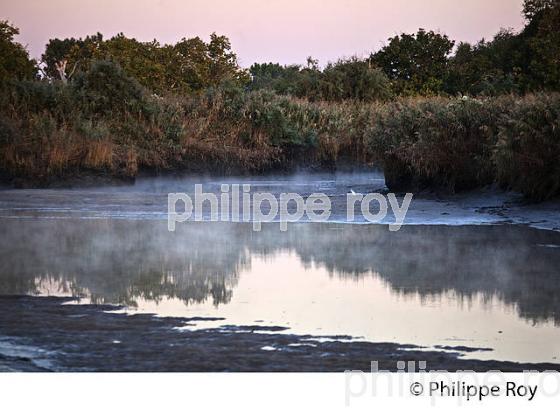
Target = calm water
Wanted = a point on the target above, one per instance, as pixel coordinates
(496, 287)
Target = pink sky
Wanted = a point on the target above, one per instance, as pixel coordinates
(260, 31)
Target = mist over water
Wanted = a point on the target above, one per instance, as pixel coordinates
(147, 198)
(452, 283)
(505, 275)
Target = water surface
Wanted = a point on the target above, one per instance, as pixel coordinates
(494, 287)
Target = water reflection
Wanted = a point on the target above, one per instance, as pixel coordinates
(123, 261)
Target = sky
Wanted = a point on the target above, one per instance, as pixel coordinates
(284, 31)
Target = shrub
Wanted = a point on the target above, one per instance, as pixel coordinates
(36, 96)
(15, 63)
(437, 142)
(347, 79)
(105, 122)
(355, 79)
(105, 88)
(527, 153)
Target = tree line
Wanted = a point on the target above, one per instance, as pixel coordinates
(424, 63)
(429, 63)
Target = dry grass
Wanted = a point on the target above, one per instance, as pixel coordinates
(99, 155)
(439, 143)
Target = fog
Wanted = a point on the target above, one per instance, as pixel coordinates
(119, 261)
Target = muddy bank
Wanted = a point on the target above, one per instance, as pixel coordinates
(298, 164)
(48, 334)
(488, 205)
(146, 197)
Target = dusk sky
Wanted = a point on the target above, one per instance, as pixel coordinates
(260, 31)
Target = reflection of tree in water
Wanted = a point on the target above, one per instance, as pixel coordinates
(120, 261)
(509, 262)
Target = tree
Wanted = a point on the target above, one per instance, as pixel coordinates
(355, 79)
(191, 70)
(273, 76)
(349, 79)
(187, 66)
(223, 61)
(489, 67)
(415, 63)
(63, 58)
(521, 62)
(106, 88)
(543, 42)
(533, 8)
(14, 59)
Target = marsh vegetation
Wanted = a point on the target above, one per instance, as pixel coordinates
(432, 113)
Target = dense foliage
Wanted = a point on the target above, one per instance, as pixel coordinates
(417, 63)
(432, 118)
(190, 65)
(423, 63)
(14, 59)
(428, 63)
(464, 143)
(350, 79)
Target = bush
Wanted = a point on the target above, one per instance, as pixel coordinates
(35, 96)
(355, 80)
(284, 121)
(437, 143)
(105, 122)
(459, 144)
(105, 88)
(350, 79)
(527, 153)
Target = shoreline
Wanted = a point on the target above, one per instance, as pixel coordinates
(70, 337)
(136, 211)
(145, 197)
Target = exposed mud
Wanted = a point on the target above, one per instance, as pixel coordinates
(73, 337)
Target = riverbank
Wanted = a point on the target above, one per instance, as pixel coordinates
(54, 133)
(146, 198)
